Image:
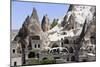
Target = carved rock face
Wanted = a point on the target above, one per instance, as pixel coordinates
(76, 16)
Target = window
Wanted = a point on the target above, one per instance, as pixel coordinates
(20, 52)
(74, 41)
(37, 55)
(71, 50)
(35, 45)
(73, 58)
(44, 58)
(35, 37)
(61, 39)
(13, 50)
(62, 44)
(38, 45)
(66, 41)
(15, 63)
(72, 27)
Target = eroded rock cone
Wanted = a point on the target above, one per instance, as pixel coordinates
(31, 26)
(34, 26)
(64, 21)
(45, 24)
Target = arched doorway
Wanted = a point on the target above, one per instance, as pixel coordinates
(73, 58)
(31, 55)
(37, 55)
(15, 63)
(45, 58)
(71, 50)
(66, 41)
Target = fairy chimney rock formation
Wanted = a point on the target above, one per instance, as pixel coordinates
(45, 24)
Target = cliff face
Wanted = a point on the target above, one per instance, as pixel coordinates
(91, 29)
(76, 17)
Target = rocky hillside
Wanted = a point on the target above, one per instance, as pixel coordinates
(79, 21)
(70, 25)
(76, 16)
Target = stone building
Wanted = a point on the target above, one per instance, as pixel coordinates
(16, 54)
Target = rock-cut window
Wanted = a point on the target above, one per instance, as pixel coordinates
(15, 63)
(38, 45)
(35, 45)
(13, 50)
(66, 41)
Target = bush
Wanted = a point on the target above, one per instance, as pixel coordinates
(47, 61)
(54, 23)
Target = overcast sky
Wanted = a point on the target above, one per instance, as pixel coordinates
(20, 10)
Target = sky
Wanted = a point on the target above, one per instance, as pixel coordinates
(20, 10)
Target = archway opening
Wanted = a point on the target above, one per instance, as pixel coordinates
(45, 58)
(31, 55)
(66, 41)
(71, 50)
(37, 55)
(73, 58)
(15, 63)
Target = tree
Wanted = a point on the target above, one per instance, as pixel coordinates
(54, 23)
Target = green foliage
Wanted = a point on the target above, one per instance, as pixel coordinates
(54, 23)
(35, 61)
(47, 61)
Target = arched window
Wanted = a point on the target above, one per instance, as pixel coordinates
(38, 45)
(66, 41)
(62, 44)
(15, 63)
(73, 58)
(44, 58)
(72, 27)
(13, 50)
(61, 39)
(37, 55)
(31, 55)
(71, 50)
(35, 46)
